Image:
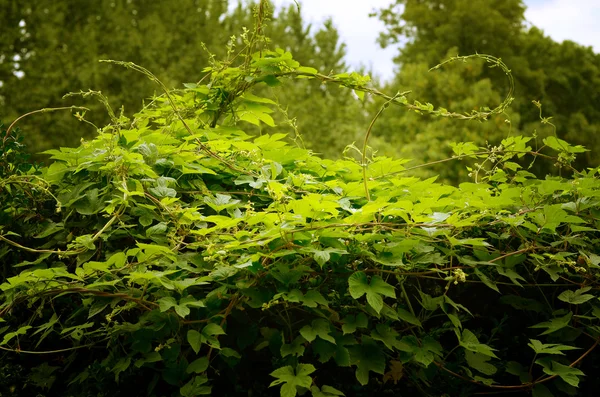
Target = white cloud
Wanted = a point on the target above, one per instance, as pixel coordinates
(357, 30)
(575, 20)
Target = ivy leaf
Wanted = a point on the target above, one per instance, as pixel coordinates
(520, 303)
(194, 339)
(292, 379)
(486, 280)
(480, 363)
(210, 333)
(220, 202)
(296, 348)
(158, 229)
(351, 323)
(423, 352)
(325, 391)
(517, 369)
(195, 387)
(367, 357)
(576, 297)
(510, 273)
(321, 257)
(387, 335)
(541, 348)
(408, 317)
(359, 286)
(320, 328)
(469, 341)
(10, 335)
(566, 373)
(313, 299)
(555, 324)
(199, 365)
(121, 366)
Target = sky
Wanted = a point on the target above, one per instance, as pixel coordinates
(576, 20)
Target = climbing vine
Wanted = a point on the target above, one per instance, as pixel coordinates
(178, 252)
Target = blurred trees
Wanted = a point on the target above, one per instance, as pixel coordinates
(49, 48)
(58, 45)
(328, 117)
(564, 77)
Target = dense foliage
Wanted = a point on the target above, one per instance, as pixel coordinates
(177, 254)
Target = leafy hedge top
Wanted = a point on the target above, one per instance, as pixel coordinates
(188, 249)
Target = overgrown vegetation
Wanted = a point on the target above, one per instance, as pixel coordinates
(176, 254)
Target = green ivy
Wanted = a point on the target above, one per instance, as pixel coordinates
(177, 250)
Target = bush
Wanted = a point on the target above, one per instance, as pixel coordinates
(175, 254)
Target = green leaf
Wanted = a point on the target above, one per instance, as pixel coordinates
(517, 369)
(291, 379)
(541, 348)
(212, 329)
(384, 333)
(320, 328)
(469, 341)
(325, 391)
(296, 348)
(199, 365)
(10, 335)
(560, 145)
(195, 387)
(576, 297)
(408, 317)
(520, 303)
(314, 298)
(351, 323)
(194, 339)
(121, 366)
(321, 257)
(566, 373)
(359, 286)
(158, 229)
(367, 356)
(480, 363)
(220, 202)
(555, 324)
(486, 280)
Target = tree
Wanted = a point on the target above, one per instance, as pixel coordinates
(564, 78)
(58, 45)
(329, 117)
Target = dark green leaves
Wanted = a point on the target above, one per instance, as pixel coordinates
(208, 336)
(367, 357)
(291, 379)
(576, 297)
(551, 348)
(567, 373)
(555, 324)
(469, 341)
(320, 328)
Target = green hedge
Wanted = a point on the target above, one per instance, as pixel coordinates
(175, 254)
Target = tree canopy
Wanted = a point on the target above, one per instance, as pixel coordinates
(562, 77)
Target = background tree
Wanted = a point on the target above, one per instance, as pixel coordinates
(564, 77)
(58, 45)
(51, 48)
